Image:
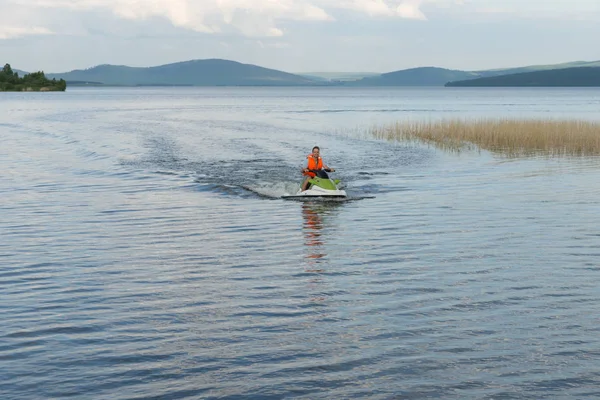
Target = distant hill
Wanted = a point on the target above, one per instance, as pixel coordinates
(212, 72)
(434, 76)
(533, 68)
(577, 76)
(423, 76)
(217, 72)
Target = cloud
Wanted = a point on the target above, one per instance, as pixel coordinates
(556, 9)
(270, 18)
(410, 9)
(249, 17)
(369, 7)
(11, 32)
(384, 8)
(252, 18)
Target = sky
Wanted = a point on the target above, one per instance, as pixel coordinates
(299, 35)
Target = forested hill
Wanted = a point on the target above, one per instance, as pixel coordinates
(534, 68)
(218, 72)
(212, 72)
(422, 76)
(568, 77)
(10, 81)
(435, 76)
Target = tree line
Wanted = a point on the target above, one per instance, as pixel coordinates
(35, 81)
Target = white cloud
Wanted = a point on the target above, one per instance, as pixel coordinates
(410, 9)
(11, 32)
(260, 18)
(249, 17)
(253, 18)
(370, 7)
(555, 9)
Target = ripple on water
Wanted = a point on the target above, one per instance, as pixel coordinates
(146, 252)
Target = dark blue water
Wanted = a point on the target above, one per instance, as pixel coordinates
(146, 253)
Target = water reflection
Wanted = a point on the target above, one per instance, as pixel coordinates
(317, 227)
(315, 216)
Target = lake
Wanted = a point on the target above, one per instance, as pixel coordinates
(146, 252)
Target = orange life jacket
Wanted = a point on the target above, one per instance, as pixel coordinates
(313, 165)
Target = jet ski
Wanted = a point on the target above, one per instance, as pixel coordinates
(321, 186)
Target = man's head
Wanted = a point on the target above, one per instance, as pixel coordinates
(316, 151)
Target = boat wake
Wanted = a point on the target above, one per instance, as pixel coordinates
(272, 190)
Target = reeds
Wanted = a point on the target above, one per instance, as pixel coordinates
(511, 137)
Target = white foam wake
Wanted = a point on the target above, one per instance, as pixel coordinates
(274, 189)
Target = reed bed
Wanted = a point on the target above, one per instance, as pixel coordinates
(505, 136)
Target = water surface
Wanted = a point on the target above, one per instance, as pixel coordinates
(146, 252)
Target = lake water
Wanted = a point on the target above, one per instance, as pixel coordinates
(146, 253)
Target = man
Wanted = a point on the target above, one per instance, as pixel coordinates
(315, 163)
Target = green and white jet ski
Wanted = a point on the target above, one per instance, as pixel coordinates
(321, 186)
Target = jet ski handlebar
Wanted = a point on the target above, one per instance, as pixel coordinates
(316, 170)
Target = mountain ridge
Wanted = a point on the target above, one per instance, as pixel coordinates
(221, 72)
(208, 72)
(562, 77)
(437, 76)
